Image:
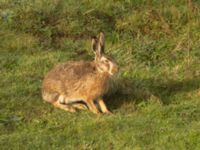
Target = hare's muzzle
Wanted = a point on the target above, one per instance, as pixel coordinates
(114, 69)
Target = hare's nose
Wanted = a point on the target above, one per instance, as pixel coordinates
(115, 69)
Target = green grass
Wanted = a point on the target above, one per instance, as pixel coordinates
(154, 98)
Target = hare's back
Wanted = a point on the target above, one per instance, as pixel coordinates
(71, 70)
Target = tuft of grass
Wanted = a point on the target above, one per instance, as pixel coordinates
(154, 98)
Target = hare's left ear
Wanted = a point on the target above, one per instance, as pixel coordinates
(94, 45)
(101, 43)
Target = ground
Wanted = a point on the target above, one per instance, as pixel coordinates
(154, 98)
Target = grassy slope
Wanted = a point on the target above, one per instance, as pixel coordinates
(155, 98)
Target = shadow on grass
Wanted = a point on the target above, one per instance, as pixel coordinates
(133, 90)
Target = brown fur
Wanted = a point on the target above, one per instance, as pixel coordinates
(77, 80)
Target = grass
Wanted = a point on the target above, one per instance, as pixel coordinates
(154, 98)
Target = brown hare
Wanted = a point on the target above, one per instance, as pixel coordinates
(75, 81)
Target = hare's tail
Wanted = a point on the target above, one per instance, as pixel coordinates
(50, 97)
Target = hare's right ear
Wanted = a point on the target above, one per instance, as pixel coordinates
(94, 43)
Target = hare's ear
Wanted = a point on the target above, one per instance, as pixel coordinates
(101, 43)
(94, 43)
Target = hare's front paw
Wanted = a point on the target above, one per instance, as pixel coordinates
(108, 112)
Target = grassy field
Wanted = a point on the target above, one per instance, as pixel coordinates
(155, 98)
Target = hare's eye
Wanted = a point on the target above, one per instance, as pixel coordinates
(106, 61)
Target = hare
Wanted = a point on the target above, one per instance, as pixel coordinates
(86, 81)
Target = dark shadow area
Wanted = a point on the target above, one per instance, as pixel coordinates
(129, 90)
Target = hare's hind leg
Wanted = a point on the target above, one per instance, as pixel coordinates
(77, 103)
(63, 106)
(79, 106)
